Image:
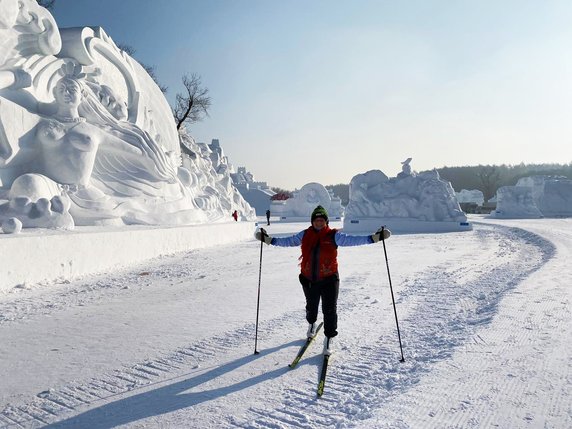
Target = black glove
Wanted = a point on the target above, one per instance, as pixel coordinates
(261, 235)
(381, 234)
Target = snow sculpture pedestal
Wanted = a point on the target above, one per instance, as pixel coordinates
(408, 203)
(46, 255)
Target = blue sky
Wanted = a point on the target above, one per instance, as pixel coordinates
(319, 91)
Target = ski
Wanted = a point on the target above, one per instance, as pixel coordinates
(322, 381)
(304, 348)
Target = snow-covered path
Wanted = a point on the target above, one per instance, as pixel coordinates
(484, 315)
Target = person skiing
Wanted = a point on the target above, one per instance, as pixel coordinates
(319, 267)
(235, 215)
(268, 217)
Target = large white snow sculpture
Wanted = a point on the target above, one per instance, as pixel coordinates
(87, 137)
(300, 206)
(534, 197)
(410, 202)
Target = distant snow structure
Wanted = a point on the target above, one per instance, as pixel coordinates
(516, 202)
(256, 193)
(471, 196)
(411, 202)
(535, 197)
(88, 138)
(210, 175)
(299, 207)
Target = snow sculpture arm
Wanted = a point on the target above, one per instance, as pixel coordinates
(40, 32)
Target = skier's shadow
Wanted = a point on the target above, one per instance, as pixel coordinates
(169, 398)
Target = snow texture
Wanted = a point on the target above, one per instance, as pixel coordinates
(485, 320)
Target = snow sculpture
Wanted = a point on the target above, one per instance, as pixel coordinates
(410, 202)
(257, 193)
(87, 137)
(534, 197)
(516, 202)
(11, 226)
(300, 206)
(214, 192)
(471, 196)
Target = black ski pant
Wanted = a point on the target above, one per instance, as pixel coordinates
(326, 289)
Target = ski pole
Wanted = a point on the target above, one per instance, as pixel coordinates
(392, 297)
(262, 232)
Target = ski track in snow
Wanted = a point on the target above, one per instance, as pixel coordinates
(364, 374)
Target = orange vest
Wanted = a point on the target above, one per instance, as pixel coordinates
(319, 254)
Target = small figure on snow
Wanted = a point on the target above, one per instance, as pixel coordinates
(235, 215)
(268, 217)
(319, 267)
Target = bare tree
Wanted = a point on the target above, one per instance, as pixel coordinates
(489, 177)
(130, 50)
(151, 72)
(192, 106)
(48, 4)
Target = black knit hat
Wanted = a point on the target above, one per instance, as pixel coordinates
(319, 212)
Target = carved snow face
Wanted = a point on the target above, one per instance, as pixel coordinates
(68, 92)
(113, 103)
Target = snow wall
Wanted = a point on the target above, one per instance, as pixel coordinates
(52, 255)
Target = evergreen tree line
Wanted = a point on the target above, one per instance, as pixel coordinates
(486, 178)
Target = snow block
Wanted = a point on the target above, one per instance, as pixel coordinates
(40, 255)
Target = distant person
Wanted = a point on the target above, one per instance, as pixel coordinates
(319, 268)
(235, 215)
(267, 217)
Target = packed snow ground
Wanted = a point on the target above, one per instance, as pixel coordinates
(484, 315)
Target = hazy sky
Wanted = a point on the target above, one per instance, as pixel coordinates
(321, 90)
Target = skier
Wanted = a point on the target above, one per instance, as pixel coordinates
(235, 215)
(267, 217)
(319, 268)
